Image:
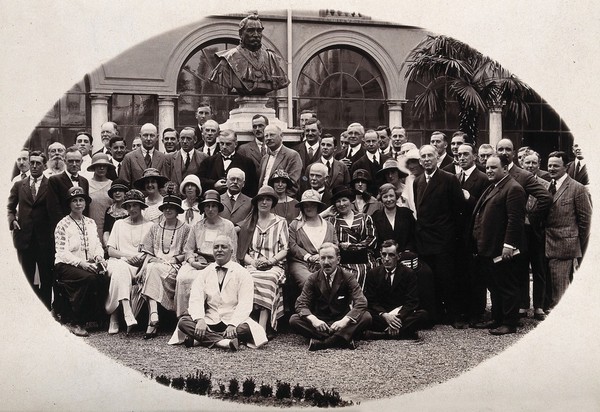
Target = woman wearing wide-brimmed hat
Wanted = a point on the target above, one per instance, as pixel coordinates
(364, 202)
(191, 189)
(355, 233)
(164, 245)
(280, 181)
(78, 256)
(410, 161)
(307, 233)
(114, 212)
(150, 183)
(394, 173)
(125, 259)
(199, 246)
(99, 187)
(263, 247)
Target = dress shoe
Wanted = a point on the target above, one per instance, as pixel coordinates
(113, 328)
(316, 344)
(373, 335)
(130, 322)
(460, 325)
(188, 342)
(234, 344)
(490, 324)
(151, 332)
(351, 345)
(523, 315)
(153, 322)
(503, 330)
(78, 330)
(539, 316)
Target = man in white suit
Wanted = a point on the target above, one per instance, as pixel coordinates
(221, 300)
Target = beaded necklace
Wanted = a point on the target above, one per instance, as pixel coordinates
(162, 238)
(84, 235)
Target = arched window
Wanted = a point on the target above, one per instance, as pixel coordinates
(194, 87)
(343, 85)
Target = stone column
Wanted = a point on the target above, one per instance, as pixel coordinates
(495, 125)
(395, 112)
(166, 116)
(99, 116)
(282, 109)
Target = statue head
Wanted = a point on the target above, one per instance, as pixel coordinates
(250, 32)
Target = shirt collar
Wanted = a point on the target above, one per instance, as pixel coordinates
(184, 153)
(373, 155)
(560, 181)
(234, 196)
(469, 171)
(315, 147)
(324, 161)
(143, 149)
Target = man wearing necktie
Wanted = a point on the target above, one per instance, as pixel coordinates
(118, 150)
(331, 309)
(577, 169)
(355, 151)
(310, 150)
(392, 292)
(187, 160)
(210, 133)
(221, 300)
(135, 162)
(567, 226)
(29, 223)
(280, 157)
(22, 166)
(372, 161)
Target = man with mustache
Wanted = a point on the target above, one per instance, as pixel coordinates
(56, 165)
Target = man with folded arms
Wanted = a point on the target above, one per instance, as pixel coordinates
(323, 311)
(220, 304)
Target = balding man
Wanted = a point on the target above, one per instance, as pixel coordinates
(210, 132)
(318, 180)
(236, 205)
(135, 162)
(108, 130)
(355, 151)
(279, 157)
(56, 163)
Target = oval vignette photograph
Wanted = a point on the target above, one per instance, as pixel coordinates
(299, 208)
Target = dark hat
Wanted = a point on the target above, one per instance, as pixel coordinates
(341, 191)
(281, 174)
(150, 173)
(265, 191)
(392, 164)
(134, 196)
(173, 201)
(409, 259)
(360, 174)
(100, 159)
(212, 196)
(77, 191)
(118, 184)
(311, 196)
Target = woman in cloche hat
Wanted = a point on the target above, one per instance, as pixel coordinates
(99, 187)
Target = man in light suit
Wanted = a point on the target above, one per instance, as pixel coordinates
(256, 149)
(497, 232)
(135, 162)
(213, 170)
(236, 205)
(187, 160)
(29, 222)
(280, 157)
(221, 300)
(439, 202)
(337, 171)
(310, 150)
(57, 201)
(323, 312)
(567, 226)
(577, 169)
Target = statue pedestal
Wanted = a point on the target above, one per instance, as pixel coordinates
(240, 119)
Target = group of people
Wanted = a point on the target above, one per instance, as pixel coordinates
(365, 236)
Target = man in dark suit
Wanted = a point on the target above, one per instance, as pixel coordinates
(531, 163)
(187, 160)
(440, 142)
(58, 188)
(170, 138)
(567, 226)
(372, 161)
(310, 150)
(135, 162)
(439, 202)
(498, 232)
(355, 133)
(536, 216)
(577, 169)
(317, 175)
(397, 139)
(279, 157)
(29, 223)
(236, 205)
(338, 174)
(323, 310)
(118, 151)
(210, 133)
(203, 113)
(256, 149)
(392, 295)
(472, 293)
(458, 138)
(213, 171)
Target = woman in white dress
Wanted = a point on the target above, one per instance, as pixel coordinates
(150, 183)
(99, 187)
(263, 247)
(125, 259)
(163, 245)
(191, 189)
(199, 247)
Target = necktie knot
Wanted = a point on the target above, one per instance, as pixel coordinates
(74, 178)
(23, 175)
(552, 188)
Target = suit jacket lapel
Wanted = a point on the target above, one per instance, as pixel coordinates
(323, 286)
(139, 157)
(337, 281)
(561, 189)
(178, 166)
(238, 203)
(42, 190)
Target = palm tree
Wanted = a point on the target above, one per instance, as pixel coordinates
(476, 81)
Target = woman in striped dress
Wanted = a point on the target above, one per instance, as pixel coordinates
(356, 235)
(263, 247)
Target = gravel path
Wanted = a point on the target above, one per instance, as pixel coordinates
(375, 369)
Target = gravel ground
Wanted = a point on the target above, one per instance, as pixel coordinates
(376, 369)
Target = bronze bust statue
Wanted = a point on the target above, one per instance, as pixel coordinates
(250, 68)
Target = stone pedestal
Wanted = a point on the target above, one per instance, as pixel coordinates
(240, 119)
(495, 124)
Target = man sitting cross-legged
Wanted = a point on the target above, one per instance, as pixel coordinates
(392, 293)
(323, 309)
(220, 305)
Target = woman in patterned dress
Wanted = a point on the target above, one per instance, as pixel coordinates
(150, 183)
(191, 189)
(163, 245)
(263, 247)
(356, 235)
